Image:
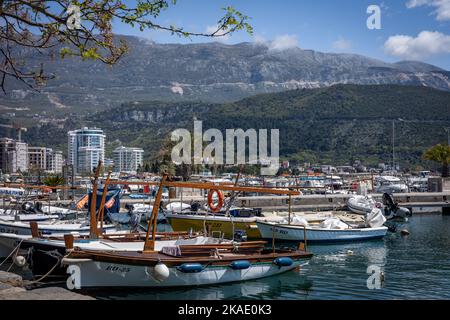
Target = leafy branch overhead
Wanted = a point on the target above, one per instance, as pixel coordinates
(41, 27)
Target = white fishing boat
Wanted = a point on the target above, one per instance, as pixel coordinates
(329, 230)
(297, 233)
(48, 227)
(6, 216)
(160, 270)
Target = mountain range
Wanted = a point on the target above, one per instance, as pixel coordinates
(210, 72)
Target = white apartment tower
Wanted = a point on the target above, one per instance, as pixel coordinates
(85, 148)
(127, 159)
(54, 161)
(13, 155)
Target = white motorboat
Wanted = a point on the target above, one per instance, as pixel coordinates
(365, 204)
(390, 184)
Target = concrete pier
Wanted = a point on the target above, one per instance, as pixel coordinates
(416, 200)
(12, 288)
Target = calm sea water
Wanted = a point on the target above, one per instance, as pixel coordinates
(415, 267)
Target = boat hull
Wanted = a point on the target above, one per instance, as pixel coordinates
(47, 229)
(297, 233)
(215, 224)
(88, 273)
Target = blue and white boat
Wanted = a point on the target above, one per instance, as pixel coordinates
(286, 232)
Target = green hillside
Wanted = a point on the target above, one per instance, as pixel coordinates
(336, 125)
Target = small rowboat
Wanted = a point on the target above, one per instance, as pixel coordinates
(292, 232)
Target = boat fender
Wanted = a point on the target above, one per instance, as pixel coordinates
(240, 265)
(190, 267)
(160, 272)
(283, 261)
(404, 232)
(20, 261)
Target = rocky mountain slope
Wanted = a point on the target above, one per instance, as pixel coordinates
(211, 72)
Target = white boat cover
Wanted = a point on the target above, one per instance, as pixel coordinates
(333, 223)
(375, 218)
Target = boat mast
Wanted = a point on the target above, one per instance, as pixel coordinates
(101, 210)
(93, 231)
(149, 245)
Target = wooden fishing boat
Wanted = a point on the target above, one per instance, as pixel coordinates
(179, 265)
(212, 265)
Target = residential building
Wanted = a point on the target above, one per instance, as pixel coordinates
(128, 159)
(85, 148)
(37, 159)
(55, 161)
(13, 155)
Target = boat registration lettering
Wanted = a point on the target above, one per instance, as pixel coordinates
(279, 231)
(119, 269)
(8, 230)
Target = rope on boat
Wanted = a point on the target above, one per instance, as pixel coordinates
(14, 251)
(54, 254)
(47, 274)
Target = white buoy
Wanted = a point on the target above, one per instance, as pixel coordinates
(161, 272)
(350, 252)
(20, 261)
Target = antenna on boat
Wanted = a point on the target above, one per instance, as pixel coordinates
(93, 231)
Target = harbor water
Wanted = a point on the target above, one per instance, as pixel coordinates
(416, 266)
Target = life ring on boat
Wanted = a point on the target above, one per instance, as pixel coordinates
(215, 208)
(47, 190)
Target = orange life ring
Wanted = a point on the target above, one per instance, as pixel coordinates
(47, 190)
(210, 200)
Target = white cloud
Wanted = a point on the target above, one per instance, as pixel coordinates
(442, 7)
(426, 44)
(342, 44)
(221, 38)
(283, 42)
(259, 39)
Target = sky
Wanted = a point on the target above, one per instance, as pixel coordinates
(410, 29)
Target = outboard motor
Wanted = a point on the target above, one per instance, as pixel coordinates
(135, 219)
(392, 209)
(38, 207)
(388, 200)
(28, 207)
(195, 206)
(240, 236)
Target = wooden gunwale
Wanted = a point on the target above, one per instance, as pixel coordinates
(152, 258)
